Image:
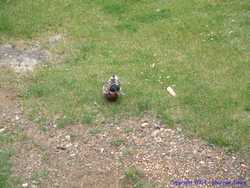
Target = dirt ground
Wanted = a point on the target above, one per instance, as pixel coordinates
(97, 157)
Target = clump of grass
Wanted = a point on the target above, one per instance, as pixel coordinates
(153, 16)
(127, 26)
(117, 142)
(128, 130)
(5, 167)
(66, 120)
(115, 8)
(127, 151)
(40, 175)
(136, 178)
(87, 118)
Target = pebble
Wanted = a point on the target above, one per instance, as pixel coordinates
(243, 165)
(68, 145)
(202, 162)
(102, 150)
(145, 124)
(25, 185)
(2, 130)
(67, 137)
(171, 91)
(155, 133)
(17, 117)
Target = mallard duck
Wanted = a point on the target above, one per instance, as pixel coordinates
(111, 89)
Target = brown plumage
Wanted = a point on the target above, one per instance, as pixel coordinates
(111, 89)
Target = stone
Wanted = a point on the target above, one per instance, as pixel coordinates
(25, 185)
(17, 117)
(2, 130)
(145, 124)
(68, 137)
(155, 133)
(171, 91)
(68, 145)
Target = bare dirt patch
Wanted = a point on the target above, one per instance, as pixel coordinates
(98, 156)
(22, 59)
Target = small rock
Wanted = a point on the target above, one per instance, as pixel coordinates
(25, 185)
(67, 137)
(102, 150)
(202, 162)
(145, 124)
(17, 118)
(155, 133)
(171, 91)
(68, 145)
(2, 130)
(72, 155)
(243, 165)
(55, 125)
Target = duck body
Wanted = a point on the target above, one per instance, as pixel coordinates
(111, 89)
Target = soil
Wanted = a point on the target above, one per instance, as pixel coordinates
(22, 58)
(94, 157)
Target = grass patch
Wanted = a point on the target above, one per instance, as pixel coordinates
(87, 119)
(128, 130)
(115, 8)
(39, 176)
(127, 26)
(5, 167)
(117, 142)
(153, 16)
(127, 152)
(200, 47)
(136, 179)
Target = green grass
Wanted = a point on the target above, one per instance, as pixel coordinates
(136, 179)
(40, 175)
(200, 46)
(5, 167)
(117, 142)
